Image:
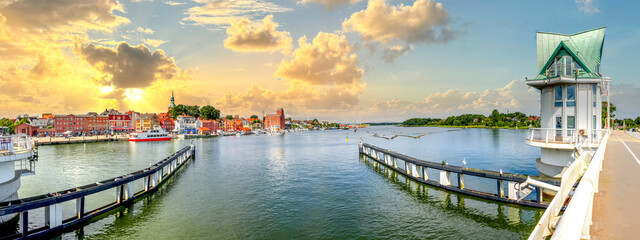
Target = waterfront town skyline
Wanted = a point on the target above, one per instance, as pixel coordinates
(334, 63)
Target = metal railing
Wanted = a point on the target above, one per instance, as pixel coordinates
(16, 144)
(518, 186)
(152, 178)
(565, 136)
(552, 135)
(576, 220)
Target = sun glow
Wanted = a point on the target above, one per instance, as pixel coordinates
(134, 95)
(106, 89)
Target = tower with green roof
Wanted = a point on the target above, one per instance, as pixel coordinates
(570, 85)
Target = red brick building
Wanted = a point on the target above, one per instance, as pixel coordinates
(274, 122)
(97, 123)
(26, 129)
(120, 122)
(72, 123)
(211, 125)
(167, 123)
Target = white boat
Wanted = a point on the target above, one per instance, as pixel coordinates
(155, 134)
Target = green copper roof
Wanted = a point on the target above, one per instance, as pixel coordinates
(585, 47)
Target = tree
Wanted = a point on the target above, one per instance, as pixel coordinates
(209, 113)
(254, 116)
(5, 122)
(604, 112)
(230, 117)
(638, 120)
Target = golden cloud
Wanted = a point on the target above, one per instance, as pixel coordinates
(129, 67)
(220, 12)
(331, 4)
(328, 60)
(42, 15)
(424, 21)
(246, 36)
(154, 42)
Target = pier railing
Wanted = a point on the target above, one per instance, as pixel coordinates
(518, 186)
(15, 144)
(123, 186)
(542, 137)
(576, 220)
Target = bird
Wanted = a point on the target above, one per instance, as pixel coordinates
(464, 162)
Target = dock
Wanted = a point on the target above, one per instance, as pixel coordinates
(127, 190)
(72, 140)
(615, 210)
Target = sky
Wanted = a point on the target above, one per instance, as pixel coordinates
(337, 60)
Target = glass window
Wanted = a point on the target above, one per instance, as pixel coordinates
(567, 65)
(571, 122)
(558, 96)
(595, 94)
(558, 122)
(594, 122)
(571, 95)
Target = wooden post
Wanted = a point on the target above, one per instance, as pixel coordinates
(539, 194)
(500, 189)
(425, 174)
(80, 207)
(24, 226)
(460, 181)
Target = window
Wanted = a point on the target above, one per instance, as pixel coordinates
(558, 122)
(567, 65)
(595, 94)
(571, 122)
(571, 95)
(594, 122)
(558, 96)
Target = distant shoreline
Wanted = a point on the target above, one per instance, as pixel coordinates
(449, 126)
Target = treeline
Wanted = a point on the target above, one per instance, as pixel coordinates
(496, 119)
(206, 112)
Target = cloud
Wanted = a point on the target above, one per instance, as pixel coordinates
(515, 96)
(391, 53)
(586, 6)
(145, 30)
(625, 97)
(172, 3)
(328, 60)
(43, 15)
(128, 66)
(246, 36)
(220, 12)
(331, 4)
(425, 21)
(154, 42)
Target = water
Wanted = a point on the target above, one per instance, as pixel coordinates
(305, 185)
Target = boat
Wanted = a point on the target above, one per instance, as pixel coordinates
(155, 134)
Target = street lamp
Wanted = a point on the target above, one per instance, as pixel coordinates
(607, 80)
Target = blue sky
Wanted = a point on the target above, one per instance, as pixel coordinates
(492, 44)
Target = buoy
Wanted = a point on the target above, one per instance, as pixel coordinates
(347, 137)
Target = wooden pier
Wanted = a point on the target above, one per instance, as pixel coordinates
(123, 186)
(516, 184)
(39, 141)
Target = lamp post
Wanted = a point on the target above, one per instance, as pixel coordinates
(607, 80)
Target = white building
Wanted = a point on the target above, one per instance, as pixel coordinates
(17, 159)
(185, 124)
(571, 89)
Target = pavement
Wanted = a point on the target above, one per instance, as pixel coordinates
(616, 210)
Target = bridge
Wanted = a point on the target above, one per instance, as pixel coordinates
(126, 188)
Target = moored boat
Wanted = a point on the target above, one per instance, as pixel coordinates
(152, 135)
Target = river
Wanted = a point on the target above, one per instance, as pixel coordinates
(302, 185)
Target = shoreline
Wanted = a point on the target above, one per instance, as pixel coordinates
(449, 126)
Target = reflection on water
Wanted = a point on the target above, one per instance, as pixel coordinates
(495, 215)
(303, 185)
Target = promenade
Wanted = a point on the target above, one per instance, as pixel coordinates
(85, 139)
(615, 211)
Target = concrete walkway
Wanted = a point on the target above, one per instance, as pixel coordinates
(616, 210)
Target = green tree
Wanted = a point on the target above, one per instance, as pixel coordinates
(5, 122)
(229, 117)
(254, 116)
(604, 113)
(638, 120)
(209, 113)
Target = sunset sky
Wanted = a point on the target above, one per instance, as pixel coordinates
(339, 60)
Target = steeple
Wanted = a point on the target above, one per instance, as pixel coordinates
(173, 104)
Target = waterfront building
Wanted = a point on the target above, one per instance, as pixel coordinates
(97, 124)
(120, 123)
(17, 159)
(42, 122)
(185, 124)
(274, 122)
(70, 124)
(146, 121)
(570, 87)
(212, 125)
(26, 129)
(230, 125)
(167, 123)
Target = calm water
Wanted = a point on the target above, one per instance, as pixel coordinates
(305, 185)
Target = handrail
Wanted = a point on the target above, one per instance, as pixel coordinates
(152, 178)
(576, 220)
(583, 195)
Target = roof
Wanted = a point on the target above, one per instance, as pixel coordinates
(203, 129)
(585, 47)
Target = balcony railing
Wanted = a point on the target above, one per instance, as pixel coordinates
(15, 144)
(565, 136)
